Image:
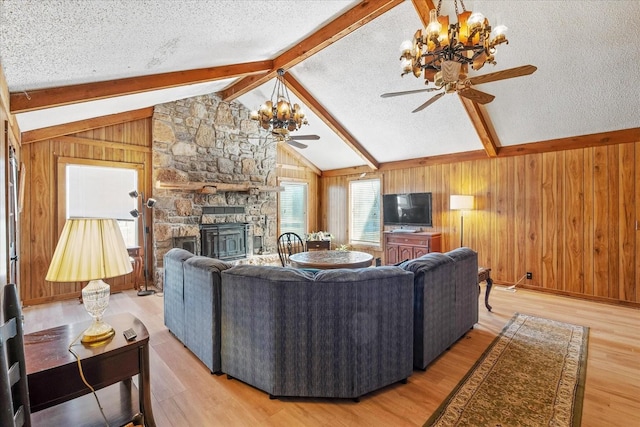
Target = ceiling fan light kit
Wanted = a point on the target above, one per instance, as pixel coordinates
(278, 113)
(444, 52)
(470, 41)
(280, 116)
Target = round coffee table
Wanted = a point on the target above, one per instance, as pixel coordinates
(325, 260)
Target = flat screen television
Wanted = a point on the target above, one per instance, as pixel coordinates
(407, 209)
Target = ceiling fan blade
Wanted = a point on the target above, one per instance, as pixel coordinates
(475, 95)
(408, 92)
(504, 74)
(433, 99)
(296, 143)
(305, 137)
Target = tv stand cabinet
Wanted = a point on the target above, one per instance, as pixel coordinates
(401, 246)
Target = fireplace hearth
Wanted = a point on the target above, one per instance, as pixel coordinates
(224, 241)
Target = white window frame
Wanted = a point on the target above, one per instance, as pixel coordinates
(356, 205)
(129, 226)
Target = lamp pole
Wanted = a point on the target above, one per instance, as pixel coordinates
(461, 203)
(461, 227)
(145, 269)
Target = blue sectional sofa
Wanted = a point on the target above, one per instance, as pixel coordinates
(326, 333)
(192, 303)
(446, 301)
(331, 333)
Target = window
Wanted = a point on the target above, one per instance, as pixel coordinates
(293, 208)
(364, 204)
(98, 190)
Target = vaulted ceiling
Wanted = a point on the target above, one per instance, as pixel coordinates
(70, 61)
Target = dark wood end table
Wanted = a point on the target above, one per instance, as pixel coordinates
(484, 275)
(56, 389)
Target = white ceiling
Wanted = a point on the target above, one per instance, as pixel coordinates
(586, 53)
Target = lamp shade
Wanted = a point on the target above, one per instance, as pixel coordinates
(89, 249)
(459, 202)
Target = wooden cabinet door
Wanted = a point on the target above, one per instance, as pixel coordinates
(391, 254)
(419, 251)
(405, 252)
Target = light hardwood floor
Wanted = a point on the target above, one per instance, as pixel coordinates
(186, 394)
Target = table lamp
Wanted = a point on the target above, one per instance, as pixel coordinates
(461, 203)
(91, 249)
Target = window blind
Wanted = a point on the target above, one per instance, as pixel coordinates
(100, 192)
(293, 208)
(364, 221)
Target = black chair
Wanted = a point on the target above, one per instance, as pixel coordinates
(13, 373)
(289, 244)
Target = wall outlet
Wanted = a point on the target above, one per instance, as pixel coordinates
(529, 275)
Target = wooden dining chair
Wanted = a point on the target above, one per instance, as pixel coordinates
(13, 373)
(288, 244)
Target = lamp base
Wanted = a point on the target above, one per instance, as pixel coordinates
(97, 332)
(144, 293)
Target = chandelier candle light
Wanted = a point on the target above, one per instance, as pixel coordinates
(278, 113)
(443, 51)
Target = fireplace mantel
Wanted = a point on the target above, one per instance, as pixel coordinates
(214, 187)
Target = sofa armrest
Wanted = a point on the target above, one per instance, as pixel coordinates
(173, 289)
(202, 284)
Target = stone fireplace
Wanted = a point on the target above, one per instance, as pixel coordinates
(200, 142)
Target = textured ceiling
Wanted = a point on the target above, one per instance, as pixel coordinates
(586, 53)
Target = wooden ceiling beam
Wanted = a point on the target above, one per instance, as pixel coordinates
(354, 18)
(423, 7)
(38, 99)
(622, 136)
(325, 116)
(84, 125)
(482, 127)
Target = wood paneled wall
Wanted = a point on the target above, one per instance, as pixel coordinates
(128, 142)
(568, 217)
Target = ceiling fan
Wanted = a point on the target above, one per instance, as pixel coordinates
(294, 140)
(283, 135)
(450, 79)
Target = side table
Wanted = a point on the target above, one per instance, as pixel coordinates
(135, 252)
(484, 275)
(56, 391)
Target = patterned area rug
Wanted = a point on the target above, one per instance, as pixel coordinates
(531, 375)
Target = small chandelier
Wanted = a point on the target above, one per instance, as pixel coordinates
(278, 113)
(470, 41)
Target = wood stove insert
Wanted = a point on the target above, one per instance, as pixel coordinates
(224, 241)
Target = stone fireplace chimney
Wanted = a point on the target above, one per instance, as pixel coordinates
(205, 140)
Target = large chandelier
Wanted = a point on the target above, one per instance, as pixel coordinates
(278, 113)
(470, 41)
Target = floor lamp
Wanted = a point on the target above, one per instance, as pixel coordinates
(145, 204)
(461, 203)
